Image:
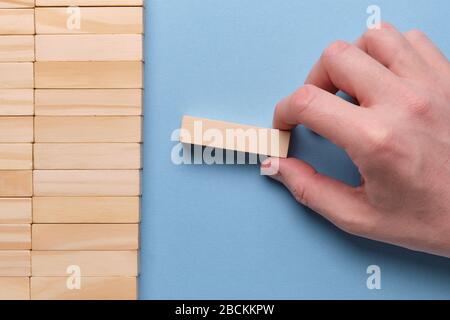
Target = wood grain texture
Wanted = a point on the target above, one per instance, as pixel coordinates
(16, 156)
(89, 47)
(16, 21)
(88, 75)
(95, 129)
(16, 75)
(15, 263)
(91, 263)
(15, 236)
(16, 3)
(16, 183)
(86, 209)
(94, 20)
(92, 288)
(93, 237)
(16, 48)
(16, 129)
(14, 288)
(15, 210)
(86, 182)
(86, 156)
(88, 102)
(54, 3)
(16, 102)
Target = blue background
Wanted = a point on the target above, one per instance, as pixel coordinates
(225, 231)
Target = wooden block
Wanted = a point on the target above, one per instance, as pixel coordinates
(96, 20)
(92, 288)
(86, 182)
(16, 4)
(85, 237)
(16, 129)
(91, 263)
(15, 236)
(86, 156)
(16, 156)
(16, 75)
(89, 47)
(15, 288)
(86, 3)
(86, 209)
(88, 75)
(16, 21)
(88, 102)
(16, 48)
(232, 136)
(15, 210)
(94, 129)
(15, 263)
(16, 102)
(16, 183)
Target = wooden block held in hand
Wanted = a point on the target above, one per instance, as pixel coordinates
(17, 3)
(91, 263)
(16, 156)
(77, 237)
(87, 156)
(94, 129)
(89, 47)
(16, 129)
(88, 75)
(94, 20)
(16, 183)
(15, 263)
(86, 182)
(15, 210)
(16, 48)
(16, 102)
(86, 3)
(86, 209)
(15, 288)
(232, 136)
(15, 236)
(92, 288)
(16, 75)
(16, 21)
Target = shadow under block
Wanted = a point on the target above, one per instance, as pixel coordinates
(16, 75)
(88, 75)
(85, 237)
(86, 209)
(94, 129)
(14, 288)
(16, 183)
(17, 3)
(86, 156)
(54, 3)
(16, 156)
(92, 288)
(16, 21)
(93, 20)
(15, 236)
(16, 129)
(89, 47)
(16, 102)
(86, 182)
(16, 48)
(15, 210)
(15, 263)
(232, 136)
(91, 263)
(88, 102)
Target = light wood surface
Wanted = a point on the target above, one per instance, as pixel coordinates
(15, 263)
(16, 21)
(86, 209)
(17, 48)
(16, 75)
(15, 236)
(54, 3)
(15, 210)
(88, 75)
(93, 237)
(94, 129)
(91, 263)
(14, 288)
(16, 183)
(14, 156)
(95, 20)
(16, 102)
(89, 47)
(17, 3)
(86, 156)
(92, 288)
(16, 129)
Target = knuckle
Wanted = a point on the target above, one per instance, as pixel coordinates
(303, 98)
(299, 193)
(416, 34)
(379, 140)
(416, 105)
(335, 48)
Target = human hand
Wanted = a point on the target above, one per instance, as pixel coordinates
(399, 138)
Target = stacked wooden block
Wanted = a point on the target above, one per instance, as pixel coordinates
(86, 153)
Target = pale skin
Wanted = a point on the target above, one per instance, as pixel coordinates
(398, 136)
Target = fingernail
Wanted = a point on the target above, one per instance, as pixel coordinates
(269, 167)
